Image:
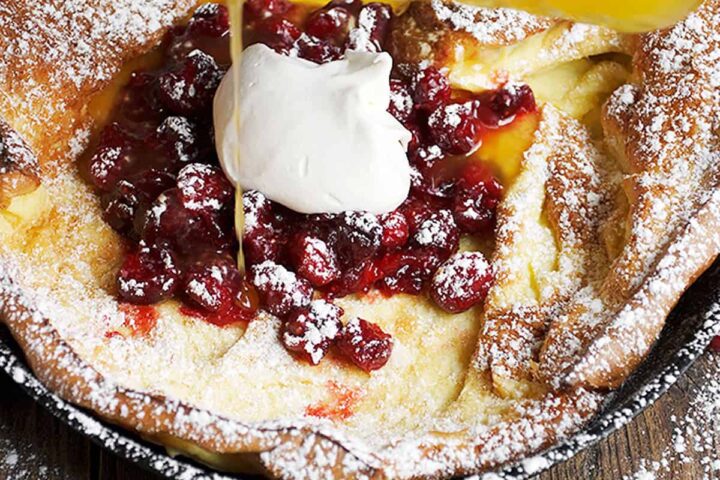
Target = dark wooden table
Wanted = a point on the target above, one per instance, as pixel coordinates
(34, 445)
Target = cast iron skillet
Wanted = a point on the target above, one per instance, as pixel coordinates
(691, 326)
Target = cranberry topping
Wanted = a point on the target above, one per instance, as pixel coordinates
(461, 282)
(331, 24)
(161, 187)
(478, 196)
(189, 88)
(373, 26)
(148, 275)
(204, 189)
(313, 259)
(211, 281)
(280, 289)
(310, 331)
(395, 230)
(211, 19)
(430, 87)
(365, 344)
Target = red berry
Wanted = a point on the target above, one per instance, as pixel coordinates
(263, 238)
(476, 201)
(190, 87)
(331, 24)
(437, 231)
(204, 189)
(113, 157)
(280, 289)
(373, 25)
(313, 259)
(309, 331)
(357, 237)
(211, 281)
(260, 9)
(365, 344)
(148, 275)
(500, 107)
(455, 128)
(211, 19)
(401, 104)
(280, 31)
(355, 279)
(316, 50)
(177, 138)
(395, 230)
(462, 282)
(408, 271)
(431, 88)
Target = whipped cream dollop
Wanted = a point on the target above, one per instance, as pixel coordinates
(315, 138)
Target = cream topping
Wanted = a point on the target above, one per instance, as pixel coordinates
(315, 138)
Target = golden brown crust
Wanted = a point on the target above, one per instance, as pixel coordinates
(56, 54)
(662, 129)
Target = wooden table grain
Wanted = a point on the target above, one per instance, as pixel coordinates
(34, 445)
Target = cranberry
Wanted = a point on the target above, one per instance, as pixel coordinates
(168, 220)
(461, 282)
(715, 344)
(330, 24)
(280, 289)
(310, 331)
(373, 25)
(455, 128)
(211, 281)
(120, 206)
(177, 138)
(431, 88)
(211, 19)
(476, 202)
(315, 50)
(408, 271)
(500, 107)
(148, 275)
(279, 32)
(438, 231)
(189, 88)
(355, 279)
(313, 259)
(204, 189)
(401, 104)
(395, 230)
(261, 9)
(112, 158)
(358, 237)
(262, 237)
(365, 344)
(415, 211)
(428, 177)
(152, 182)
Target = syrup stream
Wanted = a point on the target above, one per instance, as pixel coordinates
(236, 47)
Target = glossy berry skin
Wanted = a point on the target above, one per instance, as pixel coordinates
(462, 282)
(280, 290)
(430, 88)
(365, 344)
(330, 24)
(309, 332)
(189, 88)
(396, 230)
(454, 127)
(204, 189)
(211, 281)
(148, 275)
(408, 271)
(313, 259)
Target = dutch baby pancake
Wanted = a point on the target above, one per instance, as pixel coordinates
(461, 227)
